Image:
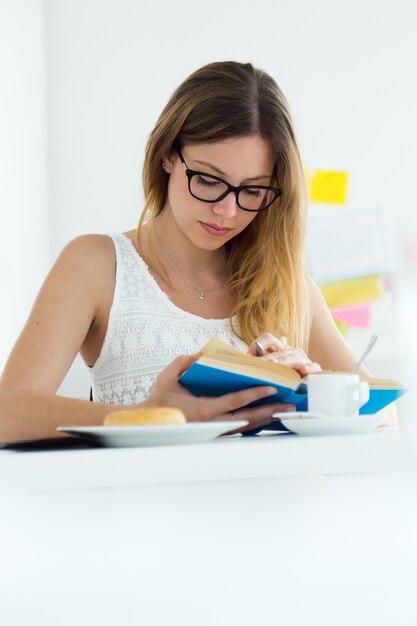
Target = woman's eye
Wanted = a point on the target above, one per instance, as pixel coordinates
(209, 182)
(257, 193)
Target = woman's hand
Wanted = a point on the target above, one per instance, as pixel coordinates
(168, 392)
(268, 347)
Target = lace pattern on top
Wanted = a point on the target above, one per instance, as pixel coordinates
(146, 331)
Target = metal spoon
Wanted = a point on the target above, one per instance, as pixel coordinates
(365, 354)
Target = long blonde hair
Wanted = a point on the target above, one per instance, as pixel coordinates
(266, 266)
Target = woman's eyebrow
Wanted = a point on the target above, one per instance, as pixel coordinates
(216, 169)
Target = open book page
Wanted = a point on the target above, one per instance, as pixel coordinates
(381, 383)
(218, 354)
(374, 383)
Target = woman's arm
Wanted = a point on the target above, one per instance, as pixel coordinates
(65, 313)
(67, 317)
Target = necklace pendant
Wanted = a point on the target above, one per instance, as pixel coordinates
(202, 294)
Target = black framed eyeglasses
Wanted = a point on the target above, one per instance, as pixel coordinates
(209, 188)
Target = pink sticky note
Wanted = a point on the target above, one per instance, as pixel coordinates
(354, 316)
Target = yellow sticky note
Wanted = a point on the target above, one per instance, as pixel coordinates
(344, 293)
(328, 187)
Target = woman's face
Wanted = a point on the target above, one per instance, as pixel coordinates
(239, 161)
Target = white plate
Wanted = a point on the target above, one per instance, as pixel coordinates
(134, 436)
(358, 425)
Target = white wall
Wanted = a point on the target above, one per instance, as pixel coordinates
(347, 68)
(24, 233)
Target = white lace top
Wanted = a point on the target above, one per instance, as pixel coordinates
(146, 331)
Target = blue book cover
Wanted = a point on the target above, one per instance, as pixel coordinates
(203, 380)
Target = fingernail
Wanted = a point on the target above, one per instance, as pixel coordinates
(260, 351)
(271, 391)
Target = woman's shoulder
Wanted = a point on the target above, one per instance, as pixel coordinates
(87, 259)
(88, 244)
(94, 255)
(103, 245)
(89, 250)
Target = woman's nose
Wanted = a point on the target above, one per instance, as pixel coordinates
(228, 206)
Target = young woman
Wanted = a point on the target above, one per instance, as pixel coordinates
(219, 251)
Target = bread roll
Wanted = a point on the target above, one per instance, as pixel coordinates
(156, 416)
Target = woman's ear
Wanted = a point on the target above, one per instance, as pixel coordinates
(167, 162)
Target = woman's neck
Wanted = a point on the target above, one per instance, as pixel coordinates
(200, 266)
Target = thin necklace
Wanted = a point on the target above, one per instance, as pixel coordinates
(201, 292)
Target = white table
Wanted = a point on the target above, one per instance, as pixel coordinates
(278, 530)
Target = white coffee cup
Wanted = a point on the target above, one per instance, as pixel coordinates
(336, 395)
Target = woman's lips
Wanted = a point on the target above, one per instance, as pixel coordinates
(217, 231)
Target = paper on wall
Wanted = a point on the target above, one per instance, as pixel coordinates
(345, 293)
(354, 316)
(345, 244)
(343, 328)
(328, 187)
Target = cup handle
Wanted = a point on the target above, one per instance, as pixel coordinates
(363, 393)
(359, 397)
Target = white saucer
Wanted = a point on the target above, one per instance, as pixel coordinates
(358, 425)
(299, 415)
(143, 436)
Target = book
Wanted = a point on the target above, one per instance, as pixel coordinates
(223, 369)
